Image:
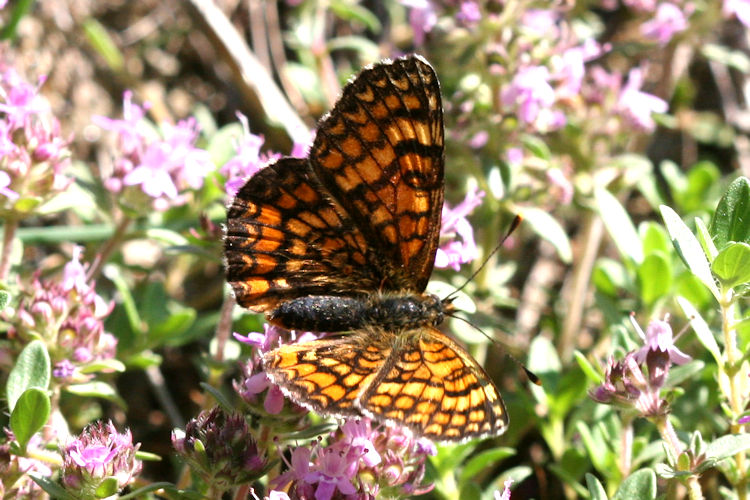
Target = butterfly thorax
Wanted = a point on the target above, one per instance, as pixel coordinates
(329, 313)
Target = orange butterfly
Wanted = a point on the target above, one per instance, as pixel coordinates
(345, 241)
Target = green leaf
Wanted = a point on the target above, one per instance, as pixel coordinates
(640, 485)
(689, 249)
(113, 273)
(99, 38)
(655, 277)
(4, 299)
(366, 49)
(731, 221)
(596, 490)
(726, 446)
(220, 398)
(96, 389)
(588, 369)
(704, 333)
(654, 238)
(173, 327)
(56, 234)
(32, 369)
(166, 236)
(148, 457)
(547, 227)
(483, 460)
(705, 239)
(536, 146)
(701, 179)
(619, 226)
(351, 12)
(29, 415)
(732, 265)
(108, 487)
(610, 277)
(726, 56)
(55, 490)
(222, 145)
(17, 11)
(450, 456)
(141, 492)
(104, 365)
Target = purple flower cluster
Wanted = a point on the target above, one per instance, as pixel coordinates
(359, 463)
(221, 449)
(625, 383)
(33, 154)
(69, 315)
(15, 469)
(247, 159)
(162, 165)
(98, 454)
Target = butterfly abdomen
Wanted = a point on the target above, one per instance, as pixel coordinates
(329, 313)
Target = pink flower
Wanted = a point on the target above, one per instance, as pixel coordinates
(658, 337)
(469, 13)
(571, 68)
(422, 17)
(669, 19)
(4, 189)
(739, 8)
(74, 274)
(257, 383)
(164, 166)
(641, 5)
(543, 22)
(455, 252)
(505, 495)
(19, 100)
(637, 106)
(247, 160)
(563, 188)
(99, 452)
(334, 472)
(531, 92)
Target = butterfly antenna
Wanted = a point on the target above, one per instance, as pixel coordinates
(513, 226)
(529, 374)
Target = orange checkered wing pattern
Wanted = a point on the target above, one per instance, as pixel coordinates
(286, 237)
(380, 153)
(419, 379)
(362, 213)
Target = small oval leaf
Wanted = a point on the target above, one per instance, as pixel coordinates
(29, 415)
(732, 265)
(32, 369)
(731, 221)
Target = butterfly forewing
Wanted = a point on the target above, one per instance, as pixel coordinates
(286, 238)
(380, 153)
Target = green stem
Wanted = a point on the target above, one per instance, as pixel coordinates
(694, 488)
(9, 233)
(731, 368)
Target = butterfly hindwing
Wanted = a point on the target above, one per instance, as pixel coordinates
(433, 386)
(326, 375)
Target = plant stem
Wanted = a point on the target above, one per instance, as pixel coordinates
(112, 244)
(9, 233)
(731, 368)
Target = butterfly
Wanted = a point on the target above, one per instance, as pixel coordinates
(344, 241)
